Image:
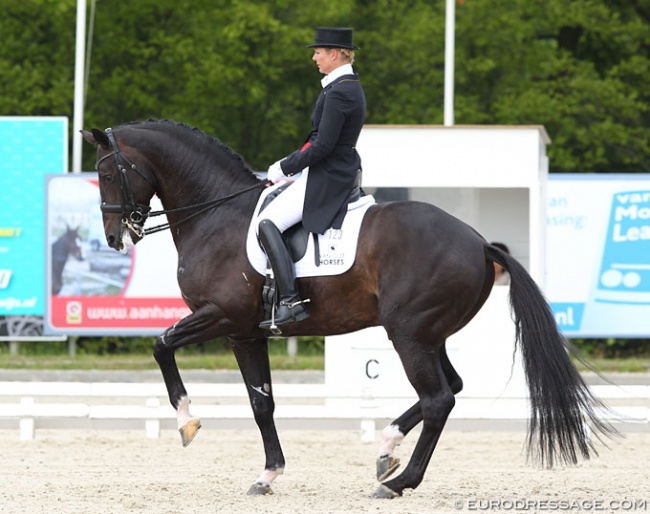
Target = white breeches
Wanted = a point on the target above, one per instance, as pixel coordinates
(286, 210)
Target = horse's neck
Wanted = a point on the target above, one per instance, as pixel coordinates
(227, 218)
(62, 245)
(60, 250)
(184, 183)
(188, 177)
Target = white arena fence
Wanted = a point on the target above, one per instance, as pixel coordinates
(145, 405)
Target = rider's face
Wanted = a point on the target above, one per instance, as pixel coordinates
(327, 59)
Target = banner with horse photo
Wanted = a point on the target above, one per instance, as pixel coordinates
(91, 288)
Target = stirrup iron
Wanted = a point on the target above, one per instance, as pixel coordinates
(293, 304)
(273, 328)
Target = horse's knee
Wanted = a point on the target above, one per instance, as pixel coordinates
(160, 349)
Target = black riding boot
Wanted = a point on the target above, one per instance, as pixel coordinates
(290, 308)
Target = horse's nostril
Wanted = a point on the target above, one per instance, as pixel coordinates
(111, 241)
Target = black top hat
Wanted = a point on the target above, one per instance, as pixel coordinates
(333, 37)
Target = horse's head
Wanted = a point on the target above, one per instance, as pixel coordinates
(73, 242)
(68, 245)
(125, 189)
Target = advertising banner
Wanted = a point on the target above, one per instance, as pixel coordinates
(597, 265)
(598, 254)
(93, 289)
(30, 148)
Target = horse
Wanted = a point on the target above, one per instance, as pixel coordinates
(419, 272)
(65, 246)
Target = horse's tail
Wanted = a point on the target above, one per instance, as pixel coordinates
(563, 418)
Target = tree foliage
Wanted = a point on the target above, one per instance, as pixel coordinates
(239, 69)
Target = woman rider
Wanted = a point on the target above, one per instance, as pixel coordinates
(324, 171)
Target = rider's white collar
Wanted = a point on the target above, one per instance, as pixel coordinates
(346, 69)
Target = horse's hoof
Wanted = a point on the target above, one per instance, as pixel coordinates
(189, 430)
(386, 466)
(385, 493)
(260, 489)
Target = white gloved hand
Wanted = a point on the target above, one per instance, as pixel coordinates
(275, 173)
(295, 176)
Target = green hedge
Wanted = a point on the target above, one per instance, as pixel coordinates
(598, 348)
(144, 345)
(614, 348)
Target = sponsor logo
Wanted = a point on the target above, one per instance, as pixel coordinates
(332, 256)
(625, 269)
(74, 312)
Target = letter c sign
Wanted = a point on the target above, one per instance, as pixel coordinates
(369, 363)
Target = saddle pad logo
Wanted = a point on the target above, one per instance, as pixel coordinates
(334, 253)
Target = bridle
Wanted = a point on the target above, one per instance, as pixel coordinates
(135, 214)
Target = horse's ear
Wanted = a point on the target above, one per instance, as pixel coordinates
(96, 137)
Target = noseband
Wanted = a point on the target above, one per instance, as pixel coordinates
(134, 214)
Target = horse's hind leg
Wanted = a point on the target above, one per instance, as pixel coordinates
(425, 372)
(253, 359)
(453, 378)
(394, 434)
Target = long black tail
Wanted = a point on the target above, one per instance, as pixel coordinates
(563, 418)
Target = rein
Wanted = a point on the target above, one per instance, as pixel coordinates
(203, 207)
(135, 214)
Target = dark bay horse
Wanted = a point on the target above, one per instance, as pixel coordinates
(419, 272)
(67, 245)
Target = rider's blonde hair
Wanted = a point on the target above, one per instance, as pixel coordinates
(347, 55)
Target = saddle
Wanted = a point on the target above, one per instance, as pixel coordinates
(297, 239)
(296, 236)
(326, 254)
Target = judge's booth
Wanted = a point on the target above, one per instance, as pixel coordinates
(494, 179)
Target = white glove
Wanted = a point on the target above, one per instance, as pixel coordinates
(275, 173)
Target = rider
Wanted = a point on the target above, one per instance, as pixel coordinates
(324, 171)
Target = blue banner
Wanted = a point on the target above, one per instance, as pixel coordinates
(598, 254)
(30, 148)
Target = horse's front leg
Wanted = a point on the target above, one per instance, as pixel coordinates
(197, 327)
(253, 359)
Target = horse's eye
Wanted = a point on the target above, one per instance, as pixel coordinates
(107, 178)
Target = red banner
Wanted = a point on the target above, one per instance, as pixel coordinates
(72, 312)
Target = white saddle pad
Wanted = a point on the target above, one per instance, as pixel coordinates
(337, 248)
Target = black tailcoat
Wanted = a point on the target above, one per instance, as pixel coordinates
(330, 153)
